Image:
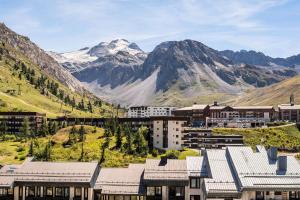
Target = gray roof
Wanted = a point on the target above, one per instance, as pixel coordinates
(6, 181)
(194, 107)
(196, 166)
(70, 172)
(221, 178)
(235, 169)
(289, 107)
(165, 170)
(121, 180)
(257, 170)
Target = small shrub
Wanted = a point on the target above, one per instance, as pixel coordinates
(172, 154)
(20, 148)
(23, 157)
(154, 152)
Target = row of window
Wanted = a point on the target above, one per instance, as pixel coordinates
(120, 197)
(6, 192)
(36, 191)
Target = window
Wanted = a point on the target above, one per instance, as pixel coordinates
(176, 192)
(49, 191)
(58, 192)
(158, 190)
(153, 191)
(195, 197)
(150, 191)
(30, 191)
(77, 192)
(194, 182)
(177, 129)
(86, 193)
(177, 136)
(277, 193)
(179, 191)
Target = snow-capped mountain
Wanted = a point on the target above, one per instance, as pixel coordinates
(101, 54)
(174, 72)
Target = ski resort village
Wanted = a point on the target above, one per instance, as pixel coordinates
(150, 100)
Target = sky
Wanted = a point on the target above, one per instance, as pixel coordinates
(268, 26)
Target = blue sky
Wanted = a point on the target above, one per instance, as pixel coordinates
(269, 26)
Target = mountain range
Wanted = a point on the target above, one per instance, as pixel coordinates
(174, 73)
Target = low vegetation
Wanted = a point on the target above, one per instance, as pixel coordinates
(85, 143)
(284, 137)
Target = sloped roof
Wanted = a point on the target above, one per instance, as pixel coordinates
(71, 172)
(289, 107)
(121, 180)
(194, 107)
(266, 173)
(165, 170)
(221, 178)
(196, 166)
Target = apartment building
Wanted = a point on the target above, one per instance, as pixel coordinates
(149, 111)
(241, 173)
(229, 173)
(176, 133)
(167, 132)
(196, 113)
(199, 138)
(289, 112)
(48, 180)
(14, 120)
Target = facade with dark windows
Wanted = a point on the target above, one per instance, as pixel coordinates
(14, 120)
(230, 173)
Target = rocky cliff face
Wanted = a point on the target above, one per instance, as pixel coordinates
(258, 58)
(39, 57)
(123, 73)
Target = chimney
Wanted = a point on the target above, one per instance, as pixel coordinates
(215, 103)
(292, 100)
(282, 163)
(272, 153)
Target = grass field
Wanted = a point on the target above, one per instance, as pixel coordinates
(287, 137)
(15, 152)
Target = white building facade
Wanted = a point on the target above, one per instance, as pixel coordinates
(149, 111)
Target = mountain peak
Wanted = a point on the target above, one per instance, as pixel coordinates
(114, 47)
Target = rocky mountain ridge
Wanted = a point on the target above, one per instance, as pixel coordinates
(187, 68)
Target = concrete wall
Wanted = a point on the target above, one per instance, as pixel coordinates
(158, 134)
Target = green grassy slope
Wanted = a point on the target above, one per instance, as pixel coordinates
(31, 98)
(285, 137)
(13, 152)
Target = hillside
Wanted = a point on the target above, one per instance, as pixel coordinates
(286, 137)
(278, 93)
(39, 91)
(38, 57)
(13, 151)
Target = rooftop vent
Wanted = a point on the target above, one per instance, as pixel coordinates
(282, 163)
(292, 100)
(272, 153)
